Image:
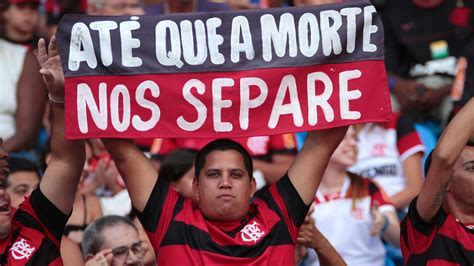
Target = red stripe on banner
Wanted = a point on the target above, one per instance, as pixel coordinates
(142, 106)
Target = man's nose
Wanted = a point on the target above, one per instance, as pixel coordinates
(132, 259)
(225, 182)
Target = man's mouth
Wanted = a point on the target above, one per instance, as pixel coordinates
(4, 205)
(226, 196)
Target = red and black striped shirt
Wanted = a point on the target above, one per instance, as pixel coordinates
(36, 232)
(181, 235)
(443, 241)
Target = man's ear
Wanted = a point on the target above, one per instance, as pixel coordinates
(253, 186)
(173, 185)
(196, 187)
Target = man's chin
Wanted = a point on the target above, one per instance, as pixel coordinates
(5, 226)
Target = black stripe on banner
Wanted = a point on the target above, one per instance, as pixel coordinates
(151, 50)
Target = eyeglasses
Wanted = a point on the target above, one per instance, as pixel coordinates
(121, 253)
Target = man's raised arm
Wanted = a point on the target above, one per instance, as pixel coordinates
(61, 178)
(447, 151)
(308, 168)
(137, 171)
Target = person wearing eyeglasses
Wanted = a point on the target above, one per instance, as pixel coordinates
(112, 240)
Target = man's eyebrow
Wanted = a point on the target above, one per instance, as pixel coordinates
(468, 162)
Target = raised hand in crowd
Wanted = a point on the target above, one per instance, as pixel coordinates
(102, 258)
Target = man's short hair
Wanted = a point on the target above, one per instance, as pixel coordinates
(17, 164)
(222, 145)
(177, 163)
(92, 238)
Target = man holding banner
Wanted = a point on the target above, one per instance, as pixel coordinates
(31, 235)
(217, 75)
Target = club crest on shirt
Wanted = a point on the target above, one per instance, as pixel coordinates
(21, 250)
(251, 232)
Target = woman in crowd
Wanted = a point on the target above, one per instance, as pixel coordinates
(352, 212)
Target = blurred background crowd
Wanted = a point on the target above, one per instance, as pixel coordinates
(429, 49)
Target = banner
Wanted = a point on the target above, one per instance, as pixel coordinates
(223, 74)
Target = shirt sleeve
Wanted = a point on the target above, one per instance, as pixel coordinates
(38, 208)
(379, 197)
(408, 139)
(154, 207)
(417, 234)
(294, 204)
(158, 212)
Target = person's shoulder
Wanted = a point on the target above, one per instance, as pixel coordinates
(12, 48)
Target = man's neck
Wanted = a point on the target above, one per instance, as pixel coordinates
(461, 211)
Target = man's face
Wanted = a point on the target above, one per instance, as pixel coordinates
(20, 184)
(5, 214)
(121, 8)
(22, 17)
(462, 183)
(125, 244)
(224, 187)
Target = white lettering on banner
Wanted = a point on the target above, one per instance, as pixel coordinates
(120, 91)
(81, 37)
(286, 32)
(329, 35)
(218, 104)
(288, 83)
(86, 103)
(351, 13)
(369, 29)
(104, 28)
(308, 26)
(120, 107)
(21, 250)
(215, 40)
(137, 121)
(321, 100)
(240, 27)
(187, 38)
(251, 232)
(201, 109)
(345, 95)
(278, 36)
(163, 55)
(246, 103)
(129, 43)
